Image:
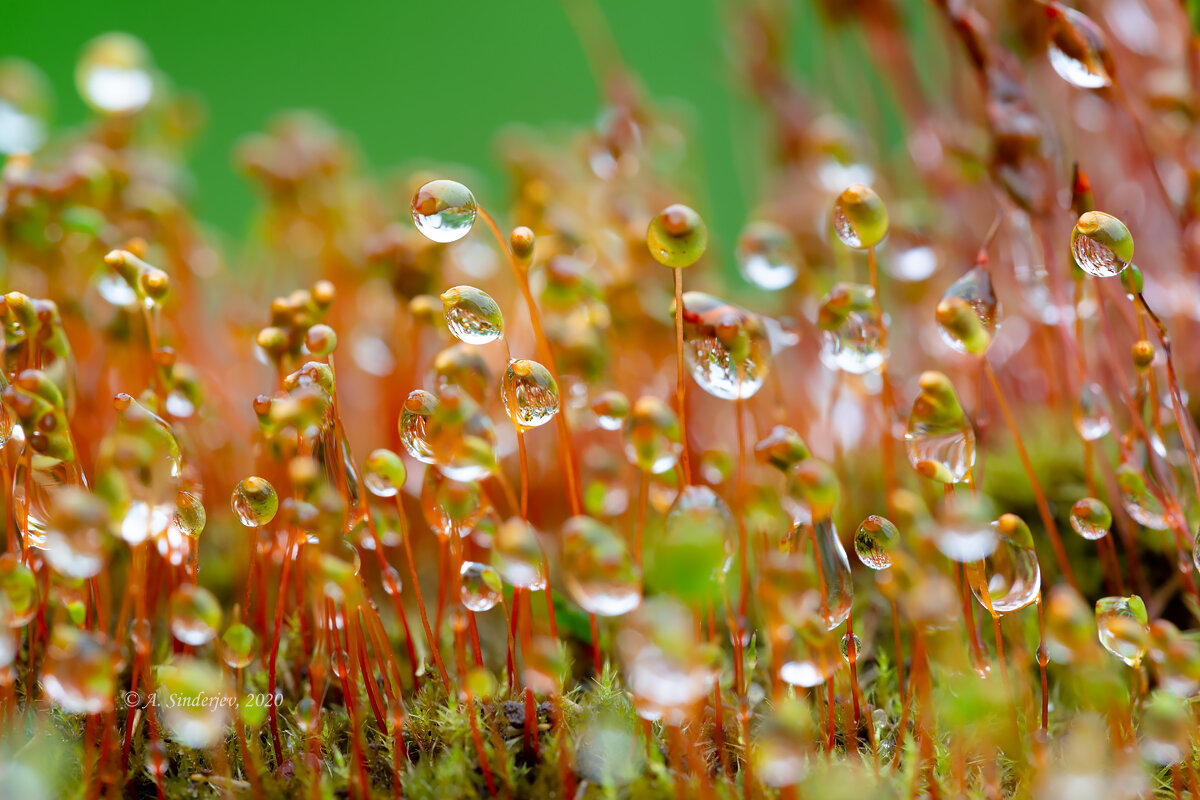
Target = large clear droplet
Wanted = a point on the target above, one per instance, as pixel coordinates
(767, 256)
(874, 540)
(414, 420)
(1091, 518)
(444, 211)
(481, 587)
(1077, 49)
(530, 394)
(967, 314)
(1123, 627)
(1010, 578)
(472, 315)
(254, 501)
(727, 349)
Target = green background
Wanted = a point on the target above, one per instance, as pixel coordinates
(436, 81)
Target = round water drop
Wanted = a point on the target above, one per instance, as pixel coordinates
(414, 420)
(860, 218)
(727, 349)
(384, 473)
(463, 367)
(1077, 48)
(194, 701)
(19, 587)
(472, 315)
(517, 555)
(940, 441)
(444, 211)
(76, 533)
(1101, 244)
(195, 614)
(481, 587)
(255, 502)
(1123, 627)
(854, 331)
(1010, 577)
(874, 540)
(677, 237)
(114, 74)
(652, 436)
(239, 646)
(1091, 518)
(461, 438)
(530, 394)
(767, 256)
(967, 314)
(598, 568)
(611, 408)
(79, 671)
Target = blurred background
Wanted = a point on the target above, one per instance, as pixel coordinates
(436, 82)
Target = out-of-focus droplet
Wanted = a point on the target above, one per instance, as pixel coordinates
(940, 441)
(517, 555)
(874, 540)
(481, 587)
(1091, 413)
(76, 534)
(195, 614)
(726, 346)
(114, 74)
(782, 448)
(854, 331)
(24, 107)
(1010, 578)
(414, 421)
(665, 668)
(691, 554)
(461, 438)
(530, 393)
(965, 532)
(1077, 48)
(677, 237)
(967, 314)
(767, 256)
(19, 587)
(783, 744)
(444, 211)
(1123, 627)
(1139, 501)
(611, 408)
(384, 473)
(239, 646)
(79, 670)
(1166, 728)
(1101, 244)
(598, 569)
(472, 315)
(652, 438)
(194, 700)
(255, 502)
(1091, 518)
(860, 218)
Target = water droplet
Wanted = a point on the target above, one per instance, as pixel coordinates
(783, 744)
(598, 569)
(76, 533)
(1165, 729)
(195, 615)
(114, 74)
(34, 490)
(1139, 501)
(1009, 578)
(782, 448)
(860, 218)
(832, 571)
(767, 256)
(79, 671)
(463, 367)
(913, 264)
(1091, 413)
(854, 331)
(517, 555)
(384, 473)
(1123, 627)
(530, 393)
(1101, 244)
(19, 586)
(1077, 48)
(874, 540)
(239, 646)
(255, 502)
(810, 657)
(665, 668)
(677, 237)
(812, 490)
(24, 106)
(968, 313)
(964, 533)
(846, 638)
(1091, 518)
(611, 408)
(444, 211)
(940, 441)
(472, 315)
(727, 349)
(691, 554)
(481, 588)
(414, 420)
(652, 438)
(194, 702)
(461, 438)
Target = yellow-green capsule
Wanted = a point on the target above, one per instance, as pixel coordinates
(860, 218)
(677, 237)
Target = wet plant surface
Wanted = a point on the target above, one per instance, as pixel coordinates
(563, 509)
